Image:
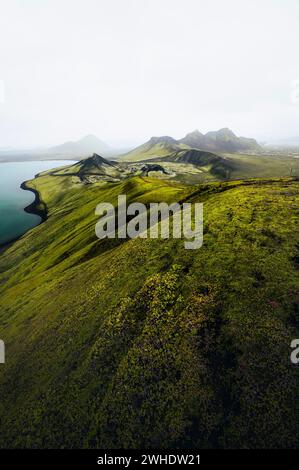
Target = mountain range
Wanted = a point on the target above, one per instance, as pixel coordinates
(223, 141)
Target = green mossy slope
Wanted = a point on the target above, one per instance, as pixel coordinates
(141, 343)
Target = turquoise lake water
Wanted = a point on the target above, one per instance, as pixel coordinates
(14, 222)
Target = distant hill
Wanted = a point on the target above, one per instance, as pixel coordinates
(81, 148)
(155, 147)
(223, 140)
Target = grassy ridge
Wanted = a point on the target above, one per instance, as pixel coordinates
(141, 343)
(193, 166)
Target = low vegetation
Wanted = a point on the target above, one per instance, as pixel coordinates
(141, 343)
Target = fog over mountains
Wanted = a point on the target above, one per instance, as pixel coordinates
(223, 141)
(83, 147)
(71, 150)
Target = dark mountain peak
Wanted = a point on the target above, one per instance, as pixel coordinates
(95, 161)
(97, 168)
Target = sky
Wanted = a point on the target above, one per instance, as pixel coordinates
(126, 70)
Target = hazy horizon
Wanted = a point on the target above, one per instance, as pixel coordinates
(125, 71)
(87, 136)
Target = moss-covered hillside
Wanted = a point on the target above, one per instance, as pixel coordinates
(141, 343)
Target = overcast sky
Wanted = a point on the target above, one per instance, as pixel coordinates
(129, 69)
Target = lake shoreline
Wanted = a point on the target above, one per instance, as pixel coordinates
(37, 207)
(31, 209)
(21, 181)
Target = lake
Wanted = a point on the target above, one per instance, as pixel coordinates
(14, 221)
